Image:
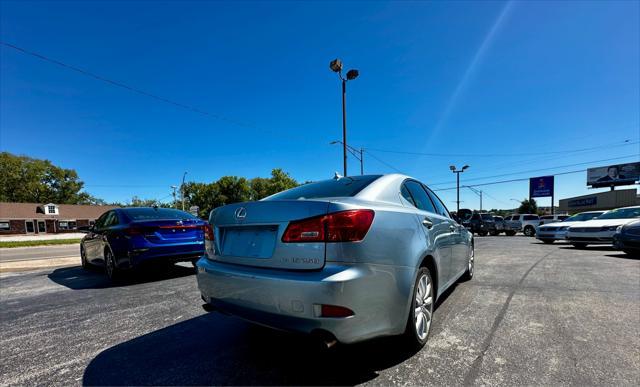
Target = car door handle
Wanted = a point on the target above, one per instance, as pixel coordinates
(427, 222)
(452, 227)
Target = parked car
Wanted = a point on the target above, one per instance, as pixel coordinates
(552, 232)
(529, 223)
(552, 218)
(513, 225)
(505, 226)
(125, 238)
(627, 238)
(601, 230)
(480, 223)
(345, 259)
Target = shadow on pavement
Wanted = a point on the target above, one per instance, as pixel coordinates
(78, 278)
(214, 349)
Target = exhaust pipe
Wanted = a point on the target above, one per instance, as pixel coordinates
(326, 339)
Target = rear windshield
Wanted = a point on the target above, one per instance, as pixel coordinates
(486, 217)
(156, 213)
(343, 187)
(622, 213)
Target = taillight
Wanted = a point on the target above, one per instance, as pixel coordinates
(343, 226)
(131, 231)
(208, 232)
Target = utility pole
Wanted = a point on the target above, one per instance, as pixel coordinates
(477, 192)
(174, 187)
(357, 153)
(182, 190)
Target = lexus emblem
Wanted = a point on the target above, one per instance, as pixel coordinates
(241, 213)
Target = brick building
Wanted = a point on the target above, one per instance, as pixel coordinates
(50, 218)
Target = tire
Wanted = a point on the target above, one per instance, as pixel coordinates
(510, 233)
(494, 232)
(421, 311)
(633, 253)
(579, 245)
(482, 233)
(83, 259)
(529, 231)
(547, 241)
(468, 275)
(110, 265)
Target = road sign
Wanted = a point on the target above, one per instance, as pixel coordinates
(540, 187)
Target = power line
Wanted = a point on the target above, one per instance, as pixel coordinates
(507, 181)
(125, 86)
(536, 170)
(382, 161)
(612, 145)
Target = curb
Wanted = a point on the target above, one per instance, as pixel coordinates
(35, 264)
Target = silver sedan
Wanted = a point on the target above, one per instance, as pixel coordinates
(345, 259)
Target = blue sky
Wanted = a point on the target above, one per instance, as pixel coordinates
(463, 79)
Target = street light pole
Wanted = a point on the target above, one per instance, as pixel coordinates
(344, 125)
(361, 161)
(458, 172)
(336, 66)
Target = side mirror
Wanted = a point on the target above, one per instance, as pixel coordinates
(85, 229)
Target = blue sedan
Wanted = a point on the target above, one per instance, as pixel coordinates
(126, 238)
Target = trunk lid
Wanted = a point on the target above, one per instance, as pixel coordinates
(251, 234)
(169, 231)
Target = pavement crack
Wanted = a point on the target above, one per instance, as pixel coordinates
(472, 374)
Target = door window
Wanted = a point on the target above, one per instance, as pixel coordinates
(30, 227)
(405, 194)
(42, 227)
(420, 197)
(112, 219)
(440, 207)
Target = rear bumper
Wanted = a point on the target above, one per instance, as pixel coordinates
(172, 253)
(379, 296)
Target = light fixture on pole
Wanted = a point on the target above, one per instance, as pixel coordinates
(458, 172)
(357, 153)
(336, 67)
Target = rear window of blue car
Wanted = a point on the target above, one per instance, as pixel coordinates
(342, 187)
(155, 214)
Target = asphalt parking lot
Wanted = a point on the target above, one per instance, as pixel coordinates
(533, 314)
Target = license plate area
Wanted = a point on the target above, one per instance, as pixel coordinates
(249, 241)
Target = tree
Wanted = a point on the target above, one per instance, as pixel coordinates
(279, 181)
(25, 179)
(528, 206)
(233, 189)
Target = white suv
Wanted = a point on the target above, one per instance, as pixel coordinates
(529, 223)
(545, 219)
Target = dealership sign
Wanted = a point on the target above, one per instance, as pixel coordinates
(540, 187)
(584, 202)
(611, 175)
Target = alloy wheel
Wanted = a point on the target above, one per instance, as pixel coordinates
(110, 265)
(471, 261)
(423, 308)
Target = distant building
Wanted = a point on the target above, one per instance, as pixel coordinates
(50, 218)
(600, 201)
